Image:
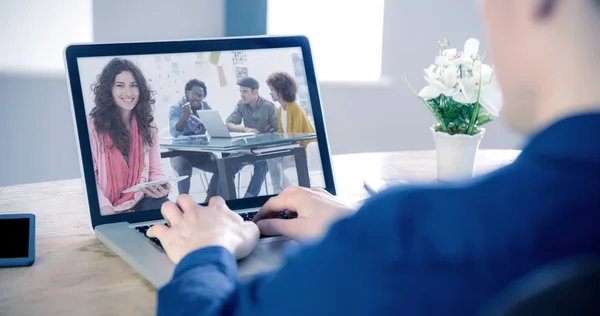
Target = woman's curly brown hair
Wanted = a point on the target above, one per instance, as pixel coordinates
(284, 85)
(106, 113)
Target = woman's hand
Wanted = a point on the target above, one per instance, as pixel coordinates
(157, 191)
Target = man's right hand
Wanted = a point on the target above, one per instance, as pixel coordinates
(311, 212)
(187, 109)
(250, 130)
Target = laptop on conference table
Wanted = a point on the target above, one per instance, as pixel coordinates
(216, 127)
(166, 67)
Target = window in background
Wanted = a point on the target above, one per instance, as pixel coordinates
(35, 33)
(346, 35)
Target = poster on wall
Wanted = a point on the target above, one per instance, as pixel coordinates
(241, 73)
(239, 58)
(222, 79)
(214, 58)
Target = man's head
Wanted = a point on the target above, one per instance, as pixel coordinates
(248, 90)
(283, 87)
(541, 49)
(195, 92)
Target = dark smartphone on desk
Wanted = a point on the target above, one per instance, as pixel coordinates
(17, 240)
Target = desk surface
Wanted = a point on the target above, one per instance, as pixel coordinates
(75, 274)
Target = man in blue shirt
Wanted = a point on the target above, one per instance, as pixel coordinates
(184, 120)
(426, 250)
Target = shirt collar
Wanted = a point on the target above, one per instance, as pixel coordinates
(259, 104)
(573, 138)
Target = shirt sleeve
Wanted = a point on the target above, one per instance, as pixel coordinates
(273, 121)
(236, 116)
(402, 253)
(351, 271)
(174, 115)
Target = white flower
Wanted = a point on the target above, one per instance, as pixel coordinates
(481, 80)
(443, 80)
(492, 99)
(463, 77)
(449, 57)
(470, 54)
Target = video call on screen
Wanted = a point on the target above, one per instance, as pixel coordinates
(137, 105)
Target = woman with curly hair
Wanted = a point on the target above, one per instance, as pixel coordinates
(291, 119)
(124, 140)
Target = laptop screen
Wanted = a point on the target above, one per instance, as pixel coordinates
(149, 141)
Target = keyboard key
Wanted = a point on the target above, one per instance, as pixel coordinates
(143, 230)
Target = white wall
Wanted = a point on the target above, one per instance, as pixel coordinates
(33, 37)
(142, 20)
(167, 75)
(37, 141)
(384, 116)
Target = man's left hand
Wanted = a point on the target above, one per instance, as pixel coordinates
(192, 227)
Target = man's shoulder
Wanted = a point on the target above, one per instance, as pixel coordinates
(442, 205)
(239, 105)
(175, 108)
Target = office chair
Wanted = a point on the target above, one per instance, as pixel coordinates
(569, 287)
(165, 132)
(239, 180)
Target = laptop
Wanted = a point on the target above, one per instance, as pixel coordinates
(149, 79)
(216, 127)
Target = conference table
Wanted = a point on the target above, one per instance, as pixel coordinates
(75, 274)
(238, 151)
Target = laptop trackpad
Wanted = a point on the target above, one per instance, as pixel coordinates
(266, 256)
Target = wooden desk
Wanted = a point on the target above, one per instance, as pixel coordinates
(74, 274)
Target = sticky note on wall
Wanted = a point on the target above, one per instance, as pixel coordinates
(214, 58)
(222, 78)
(175, 68)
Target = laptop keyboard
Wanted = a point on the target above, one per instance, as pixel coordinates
(247, 216)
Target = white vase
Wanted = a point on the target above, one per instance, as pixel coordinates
(456, 155)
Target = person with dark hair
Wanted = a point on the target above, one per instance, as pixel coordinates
(291, 119)
(437, 248)
(253, 114)
(124, 140)
(184, 120)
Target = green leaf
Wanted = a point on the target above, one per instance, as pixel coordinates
(484, 119)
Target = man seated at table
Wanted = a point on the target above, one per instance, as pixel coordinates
(256, 115)
(428, 249)
(184, 120)
(291, 119)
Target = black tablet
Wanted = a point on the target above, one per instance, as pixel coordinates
(17, 240)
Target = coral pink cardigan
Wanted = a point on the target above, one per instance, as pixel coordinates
(152, 168)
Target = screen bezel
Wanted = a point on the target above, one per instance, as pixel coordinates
(21, 261)
(75, 51)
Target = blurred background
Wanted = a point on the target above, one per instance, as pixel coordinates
(360, 48)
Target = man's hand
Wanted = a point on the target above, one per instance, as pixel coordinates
(312, 211)
(250, 130)
(192, 227)
(186, 109)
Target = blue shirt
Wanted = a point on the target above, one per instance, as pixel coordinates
(175, 113)
(423, 250)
